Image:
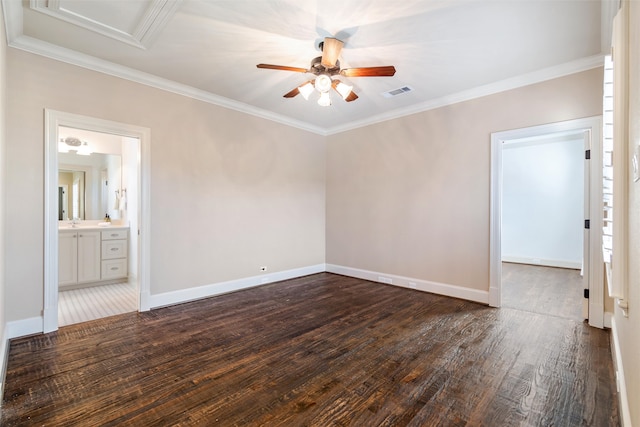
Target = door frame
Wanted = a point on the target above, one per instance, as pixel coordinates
(593, 127)
(52, 120)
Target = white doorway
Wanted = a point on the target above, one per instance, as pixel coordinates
(135, 141)
(589, 131)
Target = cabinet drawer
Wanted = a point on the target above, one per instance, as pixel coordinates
(112, 249)
(114, 234)
(114, 269)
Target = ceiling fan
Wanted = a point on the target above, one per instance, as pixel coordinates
(324, 68)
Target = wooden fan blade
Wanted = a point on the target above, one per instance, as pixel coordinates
(331, 49)
(291, 94)
(296, 91)
(352, 97)
(282, 67)
(385, 71)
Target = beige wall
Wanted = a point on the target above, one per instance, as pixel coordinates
(3, 110)
(229, 192)
(410, 197)
(628, 329)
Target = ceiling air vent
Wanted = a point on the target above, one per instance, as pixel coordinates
(396, 92)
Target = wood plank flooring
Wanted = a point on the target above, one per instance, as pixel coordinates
(322, 350)
(544, 290)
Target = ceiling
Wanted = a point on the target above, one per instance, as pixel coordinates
(444, 51)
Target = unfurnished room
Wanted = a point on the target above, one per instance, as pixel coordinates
(320, 213)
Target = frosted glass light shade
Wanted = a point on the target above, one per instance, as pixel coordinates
(325, 99)
(344, 89)
(306, 90)
(323, 83)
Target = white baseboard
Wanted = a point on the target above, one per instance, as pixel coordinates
(408, 282)
(4, 356)
(608, 319)
(191, 294)
(24, 327)
(574, 265)
(623, 401)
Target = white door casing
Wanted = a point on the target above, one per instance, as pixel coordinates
(592, 127)
(53, 120)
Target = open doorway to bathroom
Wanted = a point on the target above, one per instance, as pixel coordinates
(96, 247)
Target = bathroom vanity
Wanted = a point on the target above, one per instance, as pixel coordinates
(92, 255)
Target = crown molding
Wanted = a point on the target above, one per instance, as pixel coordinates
(539, 76)
(15, 38)
(38, 47)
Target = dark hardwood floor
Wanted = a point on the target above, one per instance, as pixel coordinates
(322, 350)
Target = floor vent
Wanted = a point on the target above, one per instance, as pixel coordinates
(396, 92)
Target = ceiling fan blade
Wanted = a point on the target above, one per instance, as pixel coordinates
(352, 97)
(331, 49)
(296, 91)
(282, 67)
(291, 94)
(385, 71)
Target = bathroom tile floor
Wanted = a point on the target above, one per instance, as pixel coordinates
(82, 305)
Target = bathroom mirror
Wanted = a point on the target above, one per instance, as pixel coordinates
(87, 186)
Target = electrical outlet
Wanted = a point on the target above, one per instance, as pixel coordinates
(386, 280)
(263, 268)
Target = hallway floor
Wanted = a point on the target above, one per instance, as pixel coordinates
(543, 290)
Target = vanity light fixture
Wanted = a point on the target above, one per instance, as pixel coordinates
(71, 143)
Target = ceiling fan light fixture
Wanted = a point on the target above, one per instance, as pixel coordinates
(344, 89)
(306, 90)
(325, 99)
(323, 83)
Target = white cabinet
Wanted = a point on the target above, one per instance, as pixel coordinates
(91, 256)
(114, 254)
(68, 258)
(79, 254)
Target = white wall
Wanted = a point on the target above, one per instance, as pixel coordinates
(543, 201)
(3, 112)
(625, 330)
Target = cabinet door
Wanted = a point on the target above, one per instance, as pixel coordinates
(88, 256)
(67, 258)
